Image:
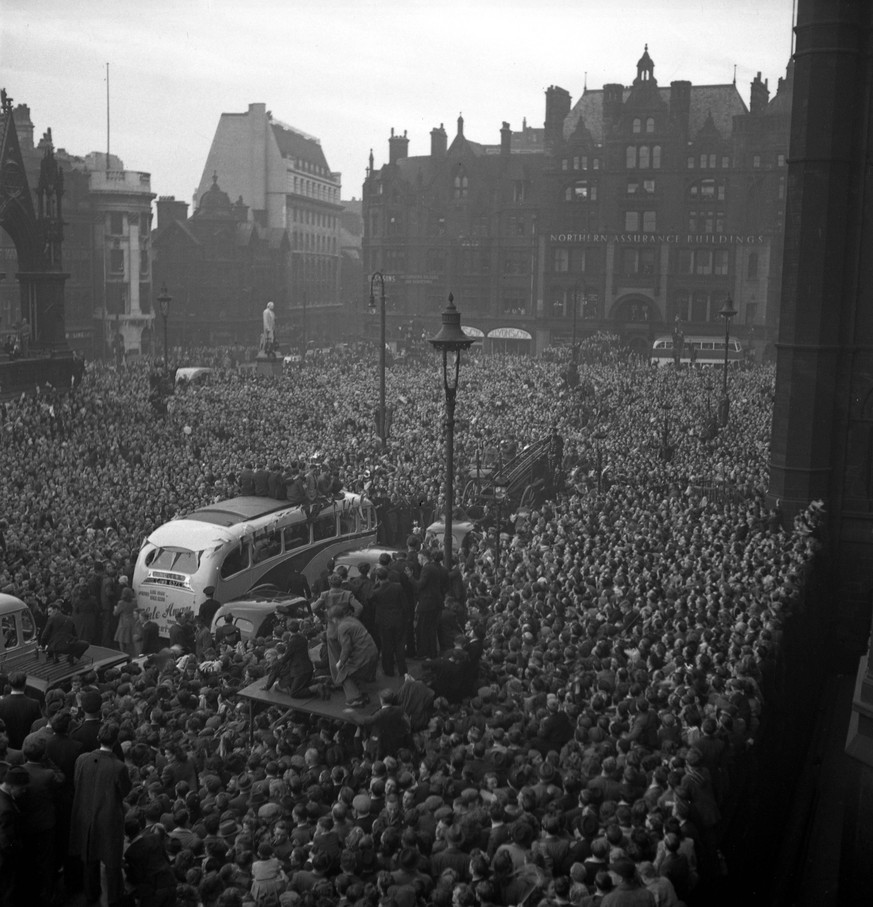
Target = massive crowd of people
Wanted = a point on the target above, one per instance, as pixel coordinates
(628, 636)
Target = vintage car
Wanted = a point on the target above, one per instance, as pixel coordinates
(20, 651)
(436, 532)
(257, 612)
(351, 559)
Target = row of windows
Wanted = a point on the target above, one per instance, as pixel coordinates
(313, 242)
(706, 221)
(637, 125)
(116, 263)
(636, 221)
(314, 189)
(643, 157)
(702, 190)
(703, 261)
(521, 189)
(707, 189)
(700, 305)
(707, 160)
(581, 191)
(642, 261)
(579, 162)
(115, 222)
(563, 300)
(274, 542)
(315, 218)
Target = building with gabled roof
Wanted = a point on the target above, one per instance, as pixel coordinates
(633, 207)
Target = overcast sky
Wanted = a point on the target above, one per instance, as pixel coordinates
(347, 71)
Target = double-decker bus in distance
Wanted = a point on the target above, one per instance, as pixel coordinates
(240, 543)
(700, 350)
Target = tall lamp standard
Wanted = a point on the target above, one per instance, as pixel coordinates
(451, 339)
(164, 300)
(727, 312)
(380, 418)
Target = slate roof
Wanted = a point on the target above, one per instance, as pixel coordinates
(294, 145)
(722, 101)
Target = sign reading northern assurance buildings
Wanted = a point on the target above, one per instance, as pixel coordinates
(691, 239)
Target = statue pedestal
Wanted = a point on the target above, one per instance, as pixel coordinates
(272, 366)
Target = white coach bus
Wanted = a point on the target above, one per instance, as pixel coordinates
(240, 543)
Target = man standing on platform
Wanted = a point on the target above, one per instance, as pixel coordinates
(389, 602)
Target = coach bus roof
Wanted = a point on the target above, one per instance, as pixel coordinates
(245, 508)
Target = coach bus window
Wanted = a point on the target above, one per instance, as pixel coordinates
(267, 546)
(296, 536)
(347, 522)
(324, 527)
(7, 631)
(236, 560)
(175, 559)
(28, 630)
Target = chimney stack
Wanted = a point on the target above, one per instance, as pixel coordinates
(760, 96)
(169, 210)
(398, 147)
(439, 142)
(505, 138)
(557, 108)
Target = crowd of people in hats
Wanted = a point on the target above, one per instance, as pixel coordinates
(585, 742)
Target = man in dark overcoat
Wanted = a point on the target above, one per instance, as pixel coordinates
(18, 710)
(97, 830)
(389, 602)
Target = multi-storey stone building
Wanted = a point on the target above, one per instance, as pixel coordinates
(281, 174)
(633, 207)
(106, 248)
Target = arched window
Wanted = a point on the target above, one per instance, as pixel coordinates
(636, 125)
(650, 124)
(461, 186)
(656, 157)
(645, 159)
(631, 157)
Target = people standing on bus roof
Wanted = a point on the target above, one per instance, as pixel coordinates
(276, 482)
(262, 482)
(295, 490)
(247, 480)
(311, 481)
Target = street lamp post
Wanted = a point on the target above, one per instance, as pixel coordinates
(381, 421)
(727, 312)
(451, 339)
(164, 300)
